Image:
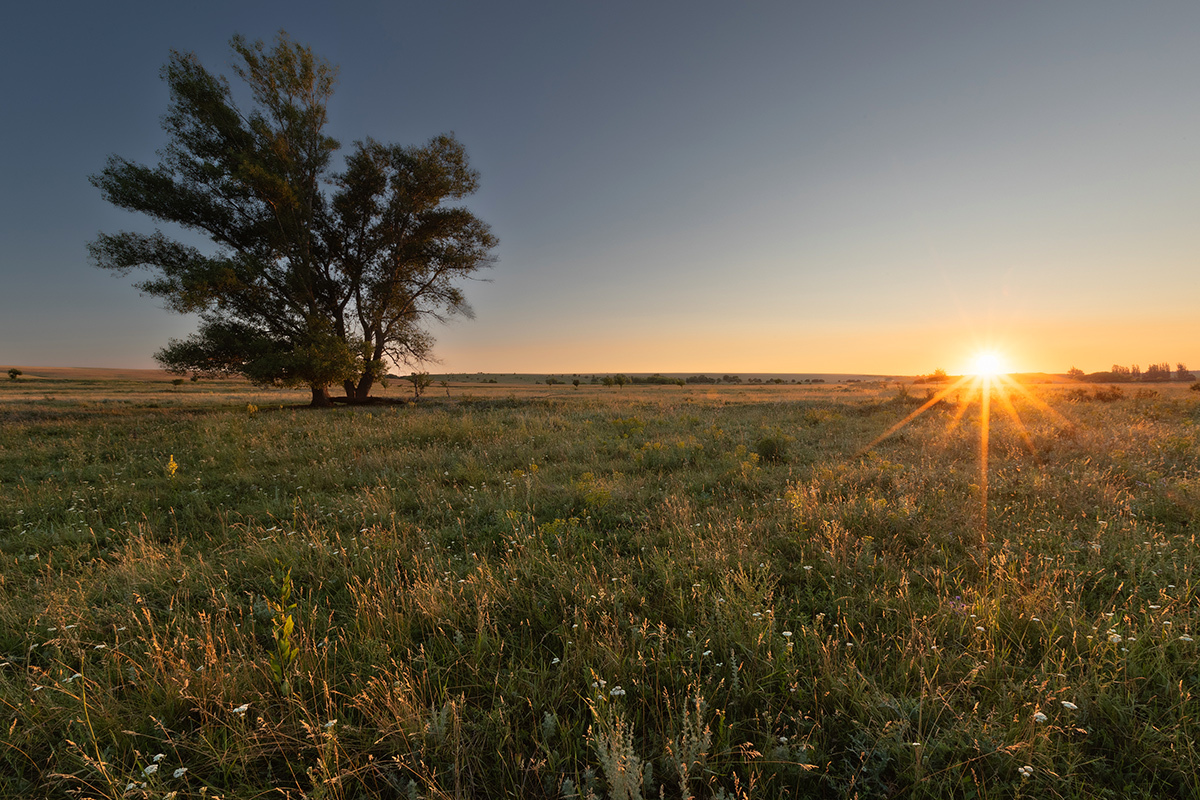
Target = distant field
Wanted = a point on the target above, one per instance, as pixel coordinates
(521, 590)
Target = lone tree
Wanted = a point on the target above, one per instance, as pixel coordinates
(315, 278)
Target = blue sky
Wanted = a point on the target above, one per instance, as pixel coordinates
(757, 187)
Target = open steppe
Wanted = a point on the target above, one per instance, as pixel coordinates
(541, 591)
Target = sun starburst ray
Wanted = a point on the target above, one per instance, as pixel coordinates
(1011, 384)
(1006, 403)
(959, 412)
(930, 403)
(987, 377)
(985, 417)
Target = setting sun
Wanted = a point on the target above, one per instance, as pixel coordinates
(987, 364)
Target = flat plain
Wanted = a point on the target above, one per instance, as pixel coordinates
(209, 590)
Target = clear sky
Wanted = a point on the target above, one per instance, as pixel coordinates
(880, 187)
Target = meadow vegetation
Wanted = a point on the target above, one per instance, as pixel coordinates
(561, 591)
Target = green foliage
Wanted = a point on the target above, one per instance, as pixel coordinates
(316, 278)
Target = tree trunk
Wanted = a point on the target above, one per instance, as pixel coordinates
(348, 385)
(320, 397)
(363, 390)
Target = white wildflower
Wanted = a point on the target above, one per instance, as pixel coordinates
(150, 770)
(179, 773)
(1069, 706)
(1039, 717)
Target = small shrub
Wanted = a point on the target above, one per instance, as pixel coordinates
(772, 449)
(14, 373)
(420, 381)
(905, 397)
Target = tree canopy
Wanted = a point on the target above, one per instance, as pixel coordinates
(314, 277)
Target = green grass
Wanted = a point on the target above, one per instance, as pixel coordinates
(522, 592)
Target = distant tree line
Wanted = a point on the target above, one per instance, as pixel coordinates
(657, 379)
(1155, 373)
(736, 379)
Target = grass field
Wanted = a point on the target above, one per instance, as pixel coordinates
(533, 591)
